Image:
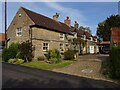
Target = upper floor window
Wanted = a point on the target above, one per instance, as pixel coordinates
(91, 38)
(19, 31)
(61, 35)
(45, 46)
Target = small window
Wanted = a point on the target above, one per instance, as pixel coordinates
(61, 36)
(19, 31)
(61, 47)
(45, 46)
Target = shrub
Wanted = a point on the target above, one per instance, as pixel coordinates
(16, 61)
(12, 60)
(70, 54)
(114, 66)
(20, 55)
(26, 50)
(53, 56)
(19, 61)
(41, 58)
(10, 52)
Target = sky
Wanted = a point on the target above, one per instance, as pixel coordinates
(87, 14)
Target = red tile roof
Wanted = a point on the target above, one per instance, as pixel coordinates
(116, 34)
(45, 22)
(105, 42)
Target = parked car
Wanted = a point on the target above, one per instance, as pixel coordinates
(106, 50)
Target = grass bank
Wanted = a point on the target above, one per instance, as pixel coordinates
(47, 66)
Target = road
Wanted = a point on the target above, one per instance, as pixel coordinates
(15, 76)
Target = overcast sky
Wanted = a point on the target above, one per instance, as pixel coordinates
(85, 13)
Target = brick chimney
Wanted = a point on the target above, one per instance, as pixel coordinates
(76, 25)
(55, 17)
(67, 21)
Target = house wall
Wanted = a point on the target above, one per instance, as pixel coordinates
(41, 35)
(24, 21)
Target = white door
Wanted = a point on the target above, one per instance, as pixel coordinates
(92, 49)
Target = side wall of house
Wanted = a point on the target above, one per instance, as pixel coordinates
(22, 21)
(41, 35)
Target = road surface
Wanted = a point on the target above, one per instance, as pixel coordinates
(15, 76)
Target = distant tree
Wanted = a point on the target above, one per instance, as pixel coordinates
(104, 28)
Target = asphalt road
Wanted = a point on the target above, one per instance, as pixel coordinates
(15, 76)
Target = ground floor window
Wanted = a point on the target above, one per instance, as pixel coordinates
(61, 47)
(45, 46)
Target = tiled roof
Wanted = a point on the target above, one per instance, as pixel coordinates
(105, 42)
(82, 32)
(45, 22)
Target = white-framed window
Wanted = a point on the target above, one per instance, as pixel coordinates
(61, 47)
(19, 31)
(45, 46)
(91, 38)
(61, 35)
(84, 37)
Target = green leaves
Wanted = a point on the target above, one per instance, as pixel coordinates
(104, 28)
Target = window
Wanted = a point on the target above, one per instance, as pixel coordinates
(84, 37)
(61, 47)
(91, 39)
(45, 46)
(19, 31)
(61, 36)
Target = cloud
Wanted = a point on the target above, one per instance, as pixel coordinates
(74, 14)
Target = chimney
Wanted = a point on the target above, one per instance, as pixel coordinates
(55, 17)
(67, 21)
(76, 25)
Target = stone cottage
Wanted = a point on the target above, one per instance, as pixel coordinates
(43, 32)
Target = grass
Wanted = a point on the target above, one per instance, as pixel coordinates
(47, 66)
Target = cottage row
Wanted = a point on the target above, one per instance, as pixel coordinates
(45, 33)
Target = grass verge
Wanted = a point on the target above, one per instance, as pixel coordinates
(47, 66)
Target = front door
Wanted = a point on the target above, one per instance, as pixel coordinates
(92, 49)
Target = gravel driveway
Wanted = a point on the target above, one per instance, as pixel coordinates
(86, 66)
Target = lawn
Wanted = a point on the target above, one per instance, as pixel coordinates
(47, 66)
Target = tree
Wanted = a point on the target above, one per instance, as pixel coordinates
(104, 28)
(26, 50)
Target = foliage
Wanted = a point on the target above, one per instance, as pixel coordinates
(10, 52)
(70, 54)
(11, 60)
(19, 55)
(104, 28)
(19, 61)
(16, 61)
(47, 66)
(26, 50)
(53, 56)
(114, 66)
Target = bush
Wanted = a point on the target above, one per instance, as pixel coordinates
(41, 58)
(26, 50)
(19, 61)
(16, 61)
(114, 66)
(11, 60)
(53, 56)
(20, 55)
(10, 52)
(70, 54)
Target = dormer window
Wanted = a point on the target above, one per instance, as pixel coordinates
(19, 31)
(61, 35)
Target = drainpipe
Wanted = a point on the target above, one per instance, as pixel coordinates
(5, 24)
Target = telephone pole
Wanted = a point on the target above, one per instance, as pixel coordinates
(5, 24)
